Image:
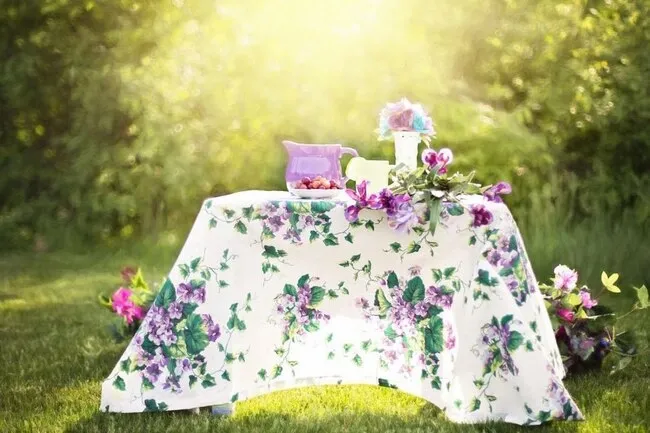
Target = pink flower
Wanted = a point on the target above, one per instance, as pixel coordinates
(440, 159)
(401, 121)
(399, 115)
(565, 278)
(124, 306)
(587, 301)
(566, 314)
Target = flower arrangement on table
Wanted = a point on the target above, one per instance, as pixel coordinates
(417, 191)
(586, 332)
(130, 302)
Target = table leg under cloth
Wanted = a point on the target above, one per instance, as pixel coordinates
(271, 293)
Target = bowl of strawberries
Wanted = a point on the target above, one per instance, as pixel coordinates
(317, 187)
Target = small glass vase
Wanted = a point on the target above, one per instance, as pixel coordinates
(406, 148)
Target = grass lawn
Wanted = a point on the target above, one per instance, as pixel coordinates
(55, 351)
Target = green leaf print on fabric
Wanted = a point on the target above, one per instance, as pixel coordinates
(433, 337)
(414, 291)
(118, 383)
(196, 338)
(167, 294)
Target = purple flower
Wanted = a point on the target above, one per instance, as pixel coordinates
(199, 295)
(363, 201)
(482, 216)
(504, 243)
(587, 300)
(494, 192)
(402, 217)
(214, 332)
(415, 270)
(422, 309)
(184, 292)
(362, 303)
(175, 310)
(172, 384)
(186, 365)
(159, 358)
(435, 296)
(493, 257)
(152, 372)
(275, 223)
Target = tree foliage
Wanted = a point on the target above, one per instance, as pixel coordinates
(118, 117)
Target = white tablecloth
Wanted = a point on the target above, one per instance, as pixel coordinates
(270, 292)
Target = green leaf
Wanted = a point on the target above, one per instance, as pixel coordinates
(317, 295)
(355, 258)
(193, 380)
(270, 252)
(151, 406)
(357, 360)
(455, 209)
(396, 246)
(349, 237)
(240, 324)
(312, 326)
(303, 280)
(506, 319)
(437, 275)
(392, 280)
(234, 398)
(146, 384)
(345, 264)
(413, 247)
(247, 212)
(196, 339)
(332, 294)
(642, 296)
(347, 347)
(262, 374)
(294, 219)
(433, 337)
(435, 383)
(222, 284)
(276, 371)
(573, 299)
(241, 227)
(229, 213)
(194, 263)
(515, 340)
(313, 235)
(329, 338)
(125, 365)
(225, 375)
(330, 355)
(449, 272)
(475, 405)
(209, 381)
(435, 207)
(472, 240)
(370, 225)
(365, 345)
(414, 291)
(330, 240)
(166, 295)
(148, 345)
(485, 279)
(290, 290)
(118, 383)
(322, 206)
(390, 333)
(229, 358)
(382, 302)
(212, 223)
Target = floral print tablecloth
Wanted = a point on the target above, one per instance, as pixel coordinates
(270, 292)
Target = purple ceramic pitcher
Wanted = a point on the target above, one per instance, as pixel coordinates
(311, 160)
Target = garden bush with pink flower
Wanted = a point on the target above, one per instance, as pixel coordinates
(587, 332)
(130, 302)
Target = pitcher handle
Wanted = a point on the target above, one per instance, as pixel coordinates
(349, 151)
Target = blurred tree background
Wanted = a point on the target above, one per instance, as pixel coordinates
(118, 117)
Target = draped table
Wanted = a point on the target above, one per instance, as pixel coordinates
(272, 292)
